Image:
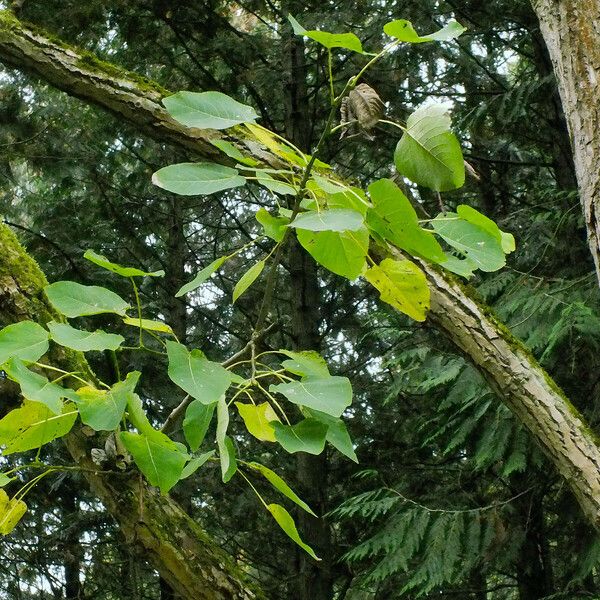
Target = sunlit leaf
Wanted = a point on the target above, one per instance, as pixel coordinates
(75, 300)
(197, 179)
(285, 521)
(148, 325)
(83, 341)
(26, 340)
(257, 418)
(201, 277)
(349, 41)
(247, 279)
(507, 241)
(402, 285)
(208, 110)
(428, 152)
(11, 512)
(103, 262)
(335, 219)
(405, 32)
(274, 227)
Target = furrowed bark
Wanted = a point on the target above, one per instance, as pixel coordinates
(516, 376)
(184, 555)
(571, 31)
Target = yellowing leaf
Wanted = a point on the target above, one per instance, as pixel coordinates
(402, 285)
(11, 512)
(257, 420)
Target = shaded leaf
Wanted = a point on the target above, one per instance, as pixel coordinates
(331, 395)
(103, 262)
(405, 32)
(196, 179)
(148, 325)
(306, 436)
(83, 341)
(196, 422)
(335, 219)
(274, 227)
(195, 464)
(201, 277)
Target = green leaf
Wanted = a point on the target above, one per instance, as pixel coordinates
(405, 32)
(331, 395)
(285, 521)
(330, 40)
(474, 243)
(5, 479)
(148, 325)
(208, 110)
(102, 410)
(224, 442)
(281, 486)
(428, 152)
(275, 185)
(463, 267)
(395, 220)
(34, 425)
(335, 219)
(83, 341)
(75, 300)
(247, 279)
(36, 387)
(195, 464)
(337, 434)
(103, 262)
(195, 424)
(343, 253)
(196, 179)
(307, 436)
(274, 227)
(507, 241)
(25, 340)
(257, 419)
(201, 378)
(230, 150)
(159, 458)
(11, 512)
(403, 285)
(306, 363)
(201, 277)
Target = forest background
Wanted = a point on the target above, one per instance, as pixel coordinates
(450, 497)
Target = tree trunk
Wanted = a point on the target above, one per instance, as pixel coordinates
(514, 373)
(184, 555)
(571, 30)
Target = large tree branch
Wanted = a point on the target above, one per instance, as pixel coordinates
(519, 380)
(185, 556)
(571, 31)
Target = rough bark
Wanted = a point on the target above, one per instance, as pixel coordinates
(184, 555)
(571, 31)
(519, 380)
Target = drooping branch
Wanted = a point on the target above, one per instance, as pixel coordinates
(516, 376)
(185, 556)
(571, 31)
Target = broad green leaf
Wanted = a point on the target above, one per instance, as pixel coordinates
(5, 479)
(36, 387)
(159, 458)
(197, 179)
(507, 241)
(102, 410)
(201, 378)
(33, 425)
(395, 220)
(339, 438)
(474, 243)
(331, 395)
(201, 277)
(428, 152)
(463, 267)
(285, 521)
(306, 363)
(330, 40)
(195, 464)
(11, 512)
(224, 442)
(257, 419)
(25, 340)
(230, 150)
(306, 436)
(274, 227)
(196, 422)
(83, 341)
(148, 325)
(405, 32)
(343, 253)
(403, 285)
(75, 300)
(281, 486)
(103, 262)
(208, 110)
(247, 279)
(335, 219)
(275, 185)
